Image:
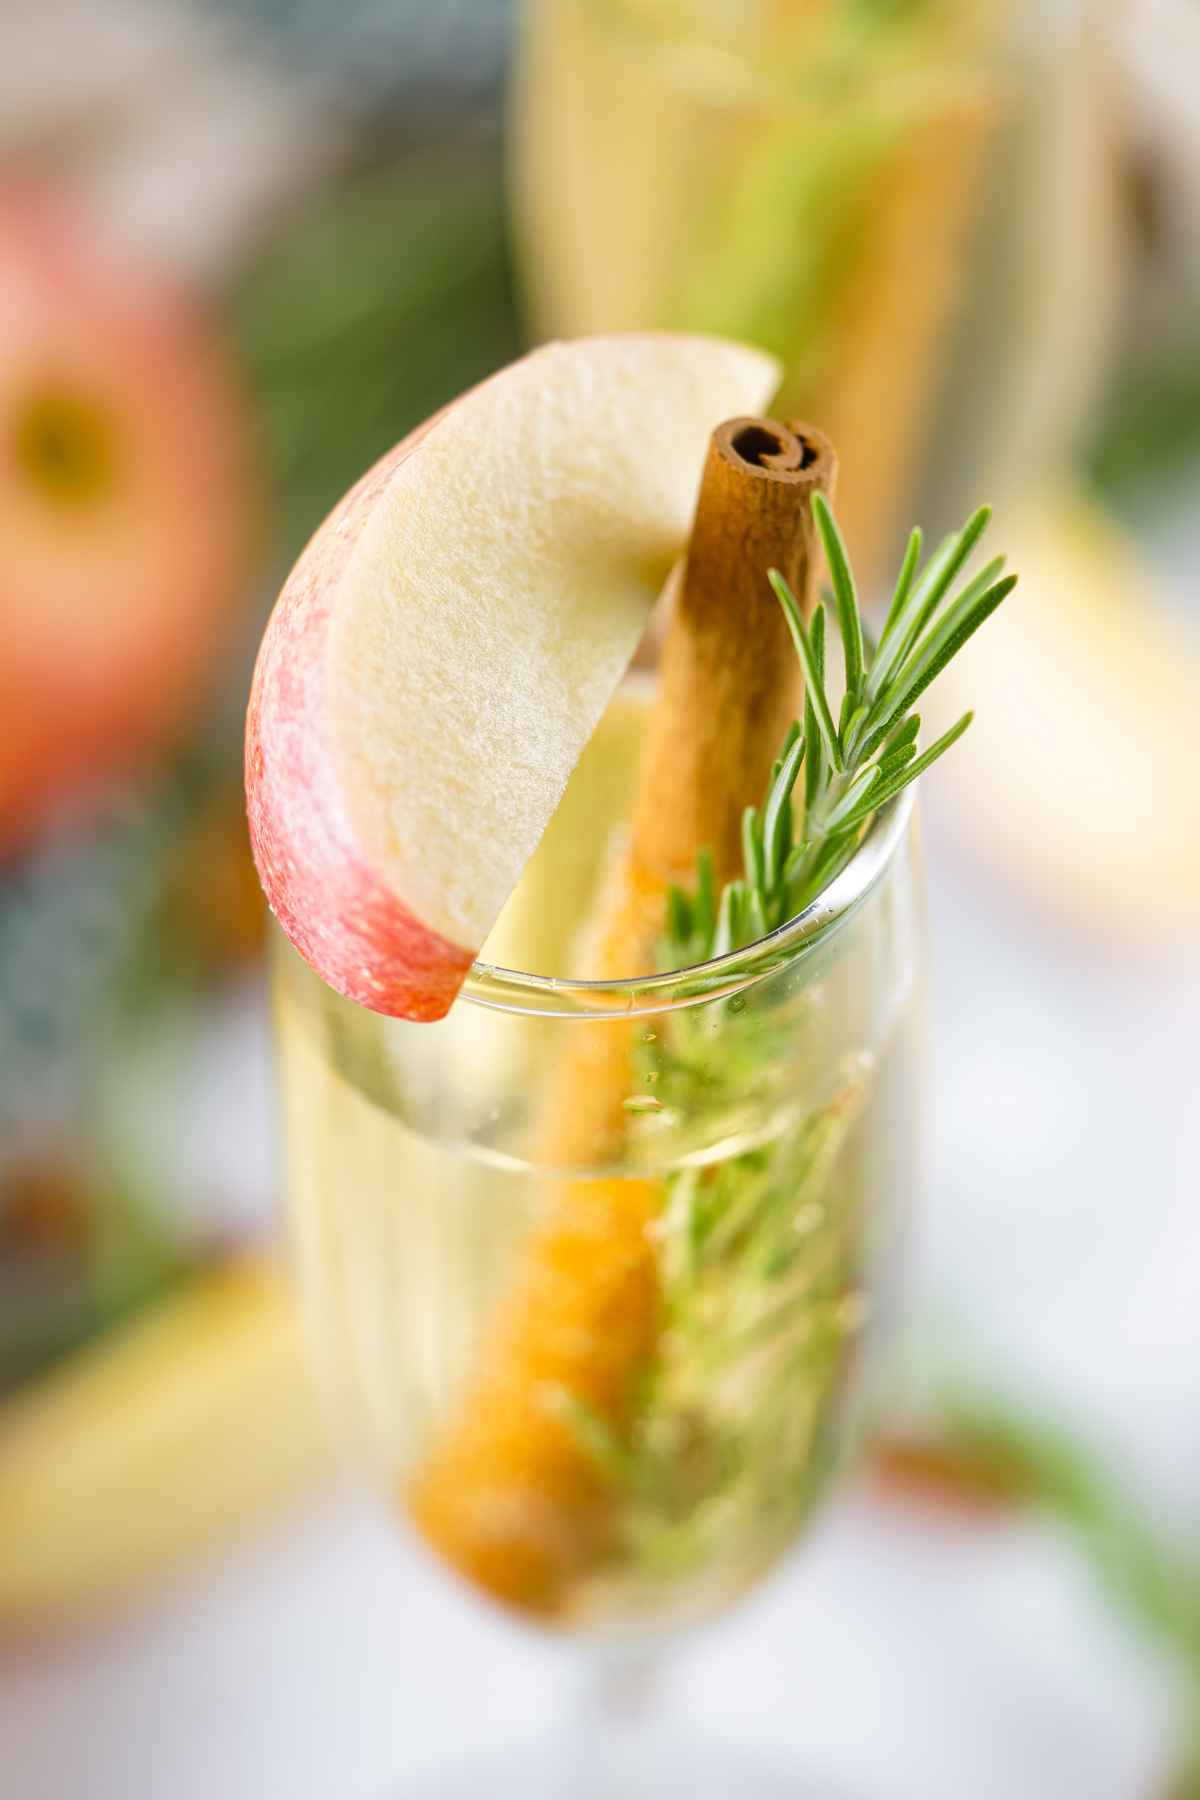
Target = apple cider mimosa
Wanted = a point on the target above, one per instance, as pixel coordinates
(599, 972)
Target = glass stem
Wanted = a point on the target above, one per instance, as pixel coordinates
(614, 1722)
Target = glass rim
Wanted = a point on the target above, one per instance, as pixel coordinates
(630, 997)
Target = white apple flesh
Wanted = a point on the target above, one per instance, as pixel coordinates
(449, 640)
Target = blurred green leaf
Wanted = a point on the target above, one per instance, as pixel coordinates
(1149, 430)
(1155, 1582)
(379, 301)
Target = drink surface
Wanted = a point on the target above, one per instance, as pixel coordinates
(609, 1394)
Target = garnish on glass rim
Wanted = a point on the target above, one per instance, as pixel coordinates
(855, 767)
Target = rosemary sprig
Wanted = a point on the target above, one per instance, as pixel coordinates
(852, 767)
(725, 1450)
(760, 1254)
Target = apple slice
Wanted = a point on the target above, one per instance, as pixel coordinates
(447, 643)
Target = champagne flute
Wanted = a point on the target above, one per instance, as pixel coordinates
(917, 208)
(608, 1393)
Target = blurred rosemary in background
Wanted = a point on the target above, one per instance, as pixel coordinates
(988, 1454)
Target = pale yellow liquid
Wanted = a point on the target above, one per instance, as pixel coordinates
(415, 1206)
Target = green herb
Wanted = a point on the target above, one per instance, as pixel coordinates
(853, 767)
(726, 1451)
(1152, 1579)
(1158, 1587)
(760, 1254)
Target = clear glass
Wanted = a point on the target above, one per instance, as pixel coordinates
(912, 203)
(609, 1390)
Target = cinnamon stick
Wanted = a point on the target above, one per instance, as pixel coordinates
(509, 1495)
(729, 685)
(728, 689)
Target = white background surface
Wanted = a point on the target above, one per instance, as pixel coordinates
(911, 1660)
(905, 1662)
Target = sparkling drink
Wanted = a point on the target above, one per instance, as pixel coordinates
(608, 1391)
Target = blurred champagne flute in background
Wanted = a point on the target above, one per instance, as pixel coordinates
(912, 203)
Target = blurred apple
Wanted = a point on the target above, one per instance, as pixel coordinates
(127, 508)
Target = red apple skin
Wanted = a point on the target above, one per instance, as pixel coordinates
(116, 606)
(343, 920)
